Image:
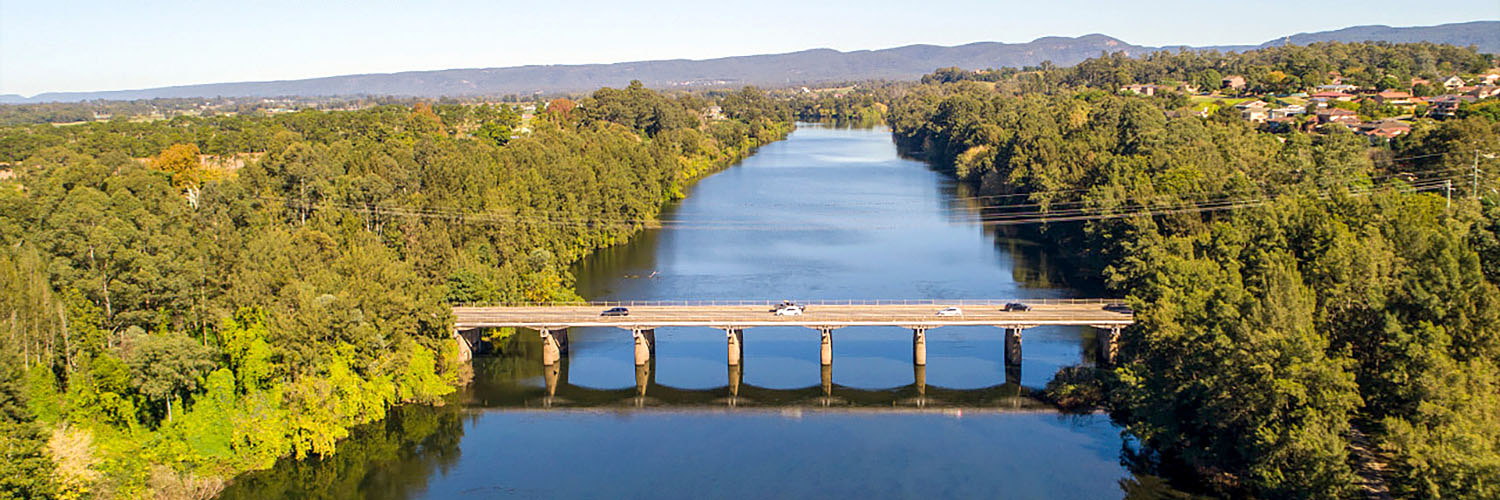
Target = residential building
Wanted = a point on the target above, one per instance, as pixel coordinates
(1333, 95)
(1147, 90)
(1337, 115)
(1453, 82)
(1446, 106)
(1392, 97)
(1483, 91)
(1288, 111)
(1384, 129)
(1338, 87)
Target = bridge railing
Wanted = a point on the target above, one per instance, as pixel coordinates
(768, 303)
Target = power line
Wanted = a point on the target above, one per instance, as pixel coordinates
(1012, 218)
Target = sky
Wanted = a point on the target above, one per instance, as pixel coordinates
(66, 45)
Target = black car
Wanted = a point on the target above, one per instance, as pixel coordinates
(1017, 307)
(615, 311)
(1119, 308)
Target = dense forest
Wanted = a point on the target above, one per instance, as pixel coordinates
(183, 300)
(1296, 294)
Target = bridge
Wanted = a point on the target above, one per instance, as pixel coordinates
(552, 321)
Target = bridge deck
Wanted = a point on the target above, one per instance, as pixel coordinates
(1058, 312)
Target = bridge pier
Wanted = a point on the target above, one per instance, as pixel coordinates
(827, 376)
(554, 345)
(468, 343)
(645, 345)
(642, 380)
(736, 345)
(826, 351)
(919, 346)
(1013, 346)
(919, 379)
(736, 375)
(1109, 344)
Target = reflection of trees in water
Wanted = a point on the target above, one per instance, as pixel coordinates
(392, 458)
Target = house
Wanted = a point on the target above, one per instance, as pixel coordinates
(1383, 129)
(1288, 111)
(1338, 87)
(1394, 98)
(1279, 125)
(1336, 115)
(1415, 81)
(1333, 95)
(1446, 106)
(1254, 110)
(1146, 90)
(1235, 82)
(1483, 91)
(1490, 76)
(1453, 82)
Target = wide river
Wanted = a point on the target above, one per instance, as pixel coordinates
(830, 213)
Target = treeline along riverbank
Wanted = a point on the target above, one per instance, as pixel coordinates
(1290, 288)
(187, 299)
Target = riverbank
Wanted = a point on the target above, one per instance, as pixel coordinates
(857, 208)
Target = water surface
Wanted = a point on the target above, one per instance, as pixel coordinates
(827, 214)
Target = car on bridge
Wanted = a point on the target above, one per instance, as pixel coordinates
(791, 310)
(1017, 307)
(615, 311)
(951, 311)
(1119, 308)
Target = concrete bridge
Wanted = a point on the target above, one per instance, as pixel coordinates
(552, 321)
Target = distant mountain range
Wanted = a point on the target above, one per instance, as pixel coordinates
(795, 68)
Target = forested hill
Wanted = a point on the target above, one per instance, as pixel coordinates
(187, 299)
(1296, 291)
(804, 67)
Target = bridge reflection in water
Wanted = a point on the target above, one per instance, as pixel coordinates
(556, 392)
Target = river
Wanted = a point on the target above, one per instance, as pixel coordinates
(830, 213)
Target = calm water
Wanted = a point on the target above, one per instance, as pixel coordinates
(827, 214)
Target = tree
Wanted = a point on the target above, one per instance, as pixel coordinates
(180, 160)
(167, 366)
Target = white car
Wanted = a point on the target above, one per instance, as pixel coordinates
(951, 311)
(789, 311)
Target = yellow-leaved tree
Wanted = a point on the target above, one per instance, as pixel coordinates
(180, 160)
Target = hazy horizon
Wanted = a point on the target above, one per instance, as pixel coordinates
(95, 46)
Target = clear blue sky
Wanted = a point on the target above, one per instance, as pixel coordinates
(64, 45)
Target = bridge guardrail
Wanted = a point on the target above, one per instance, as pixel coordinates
(769, 303)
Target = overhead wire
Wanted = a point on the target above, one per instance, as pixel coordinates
(1081, 213)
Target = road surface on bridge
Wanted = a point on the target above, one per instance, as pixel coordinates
(1081, 312)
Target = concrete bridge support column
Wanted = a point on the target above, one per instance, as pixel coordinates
(827, 376)
(919, 346)
(919, 378)
(643, 379)
(466, 347)
(736, 374)
(826, 352)
(550, 375)
(1013, 346)
(736, 345)
(645, 345)
(1109, 344)
(554, 345)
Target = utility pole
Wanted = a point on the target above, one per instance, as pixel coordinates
(1448, 188)
(1476, 174)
